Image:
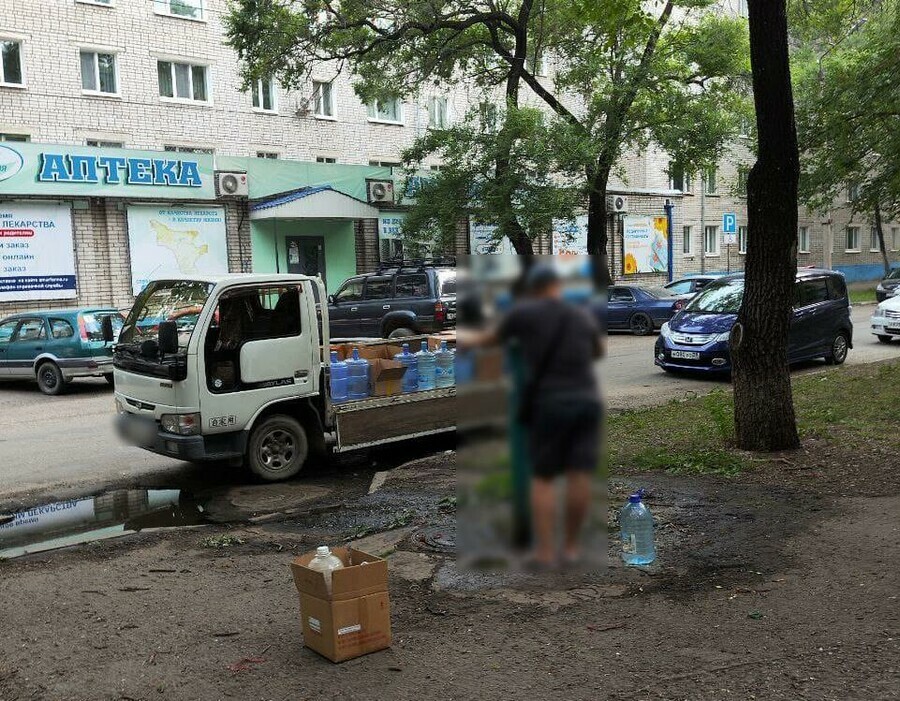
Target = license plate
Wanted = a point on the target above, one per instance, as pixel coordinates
(686, 355)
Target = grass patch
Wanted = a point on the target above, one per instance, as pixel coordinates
(862, 295)
(849, 406)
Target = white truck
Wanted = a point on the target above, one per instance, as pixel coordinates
(235, 368)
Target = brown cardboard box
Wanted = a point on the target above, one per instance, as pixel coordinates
(355, 617)
(386, 377)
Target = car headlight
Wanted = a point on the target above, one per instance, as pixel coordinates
(723, 336)
(664, 330)
(181, 424)
(880, 287)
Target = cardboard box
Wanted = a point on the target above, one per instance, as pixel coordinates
(355, 617)
(386, 377)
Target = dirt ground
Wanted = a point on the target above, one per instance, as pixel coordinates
(779, 584)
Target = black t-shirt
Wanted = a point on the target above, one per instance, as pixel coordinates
(539, 324)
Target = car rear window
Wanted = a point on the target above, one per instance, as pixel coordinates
(837, 288)
(379, 287)
(448, 283)
(412, 285)
(60, 328)
(93, 324)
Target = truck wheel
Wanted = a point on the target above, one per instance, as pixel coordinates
(277, 449)
(401, 333)
(50, 378)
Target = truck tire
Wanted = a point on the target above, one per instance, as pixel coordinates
(277, 449)
(401, 333)
(50, 378)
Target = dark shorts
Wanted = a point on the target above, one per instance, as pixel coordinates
(565, 435)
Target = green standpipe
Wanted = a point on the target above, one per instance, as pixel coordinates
(518, 452)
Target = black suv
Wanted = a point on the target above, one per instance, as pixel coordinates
(395, 301)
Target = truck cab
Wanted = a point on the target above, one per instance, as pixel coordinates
(234, 368)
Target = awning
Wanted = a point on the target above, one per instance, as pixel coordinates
(320, 202)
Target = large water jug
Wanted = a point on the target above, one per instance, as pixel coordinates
(636, 523)
(427, 366)
(325, 562)
(444, 371)
(410, 381)
(339, 379)
(358, 376)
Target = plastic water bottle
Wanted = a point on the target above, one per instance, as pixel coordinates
(339, 379)
(444, 371)
(410, 382)
(427, 367)
(636, 523)
(358, 376)
(325, 562)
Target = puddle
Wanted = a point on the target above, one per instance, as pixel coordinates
(89, 519)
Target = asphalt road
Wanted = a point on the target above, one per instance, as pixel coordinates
(59, 446)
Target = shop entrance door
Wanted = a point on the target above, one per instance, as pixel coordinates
(306, 255)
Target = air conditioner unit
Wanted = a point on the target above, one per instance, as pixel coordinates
(380, 191)
(616, 204)
(231, 184)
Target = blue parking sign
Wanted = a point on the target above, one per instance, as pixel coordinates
(729, 223)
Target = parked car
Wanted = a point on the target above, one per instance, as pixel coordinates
(394, 302)
(696, 339)
(56, 346)
(886, 320)
(690, 284)
(641, 309)
(889, 286)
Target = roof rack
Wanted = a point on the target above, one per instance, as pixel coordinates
(418, 264)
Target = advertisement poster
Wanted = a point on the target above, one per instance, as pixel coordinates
(646, 242)
(482, 240)
(175, 241)
(37, 256)
(570, 236)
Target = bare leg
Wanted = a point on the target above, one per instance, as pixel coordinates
(543, 510)
(578, 502)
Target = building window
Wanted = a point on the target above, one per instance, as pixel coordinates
(182, 81)
(742, 174)
(100, 143)
(853, 239)
(264, 95)
(271, 155)
(20, 138)
(742, 239)
(98, 73)
(742, 8)
(874, 246)
(189, 9)
(385, 164)
(488, 115)
(803, 239)
(687, 240)
(712, 186)
(326, 159)
(435, 167)
(679, 178)
(437, 112)
(852, 192)
(11, 72)
(324, 98)
(895, 238)
(711, 240)
(189, 149)
(105, 3)
(385, 111)
(535, 64)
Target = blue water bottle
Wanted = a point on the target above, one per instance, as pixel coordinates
(636, 523)
(427, 367)
(444, 371)
(410, 382)
(340, 379)
(358, 376)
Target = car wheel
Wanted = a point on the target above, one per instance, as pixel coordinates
(839, 348)
(641, 324)
(885, 339)
(50, 378)
(110, 379)
(401, 333)
(277, 449)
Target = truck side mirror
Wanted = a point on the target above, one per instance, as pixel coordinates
(168, 337)
(106, 329)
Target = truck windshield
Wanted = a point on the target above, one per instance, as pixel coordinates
(179, 301)
(718, 298)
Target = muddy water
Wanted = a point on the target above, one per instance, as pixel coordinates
(92, 518)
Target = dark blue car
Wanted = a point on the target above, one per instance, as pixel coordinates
(639, 309)
(696, 339)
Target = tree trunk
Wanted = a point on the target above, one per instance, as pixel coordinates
(763, 404)
(879, 229)
(597, 231)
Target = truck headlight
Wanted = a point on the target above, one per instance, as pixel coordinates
(181, 424)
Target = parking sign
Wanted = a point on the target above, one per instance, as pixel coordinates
(729, 223)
